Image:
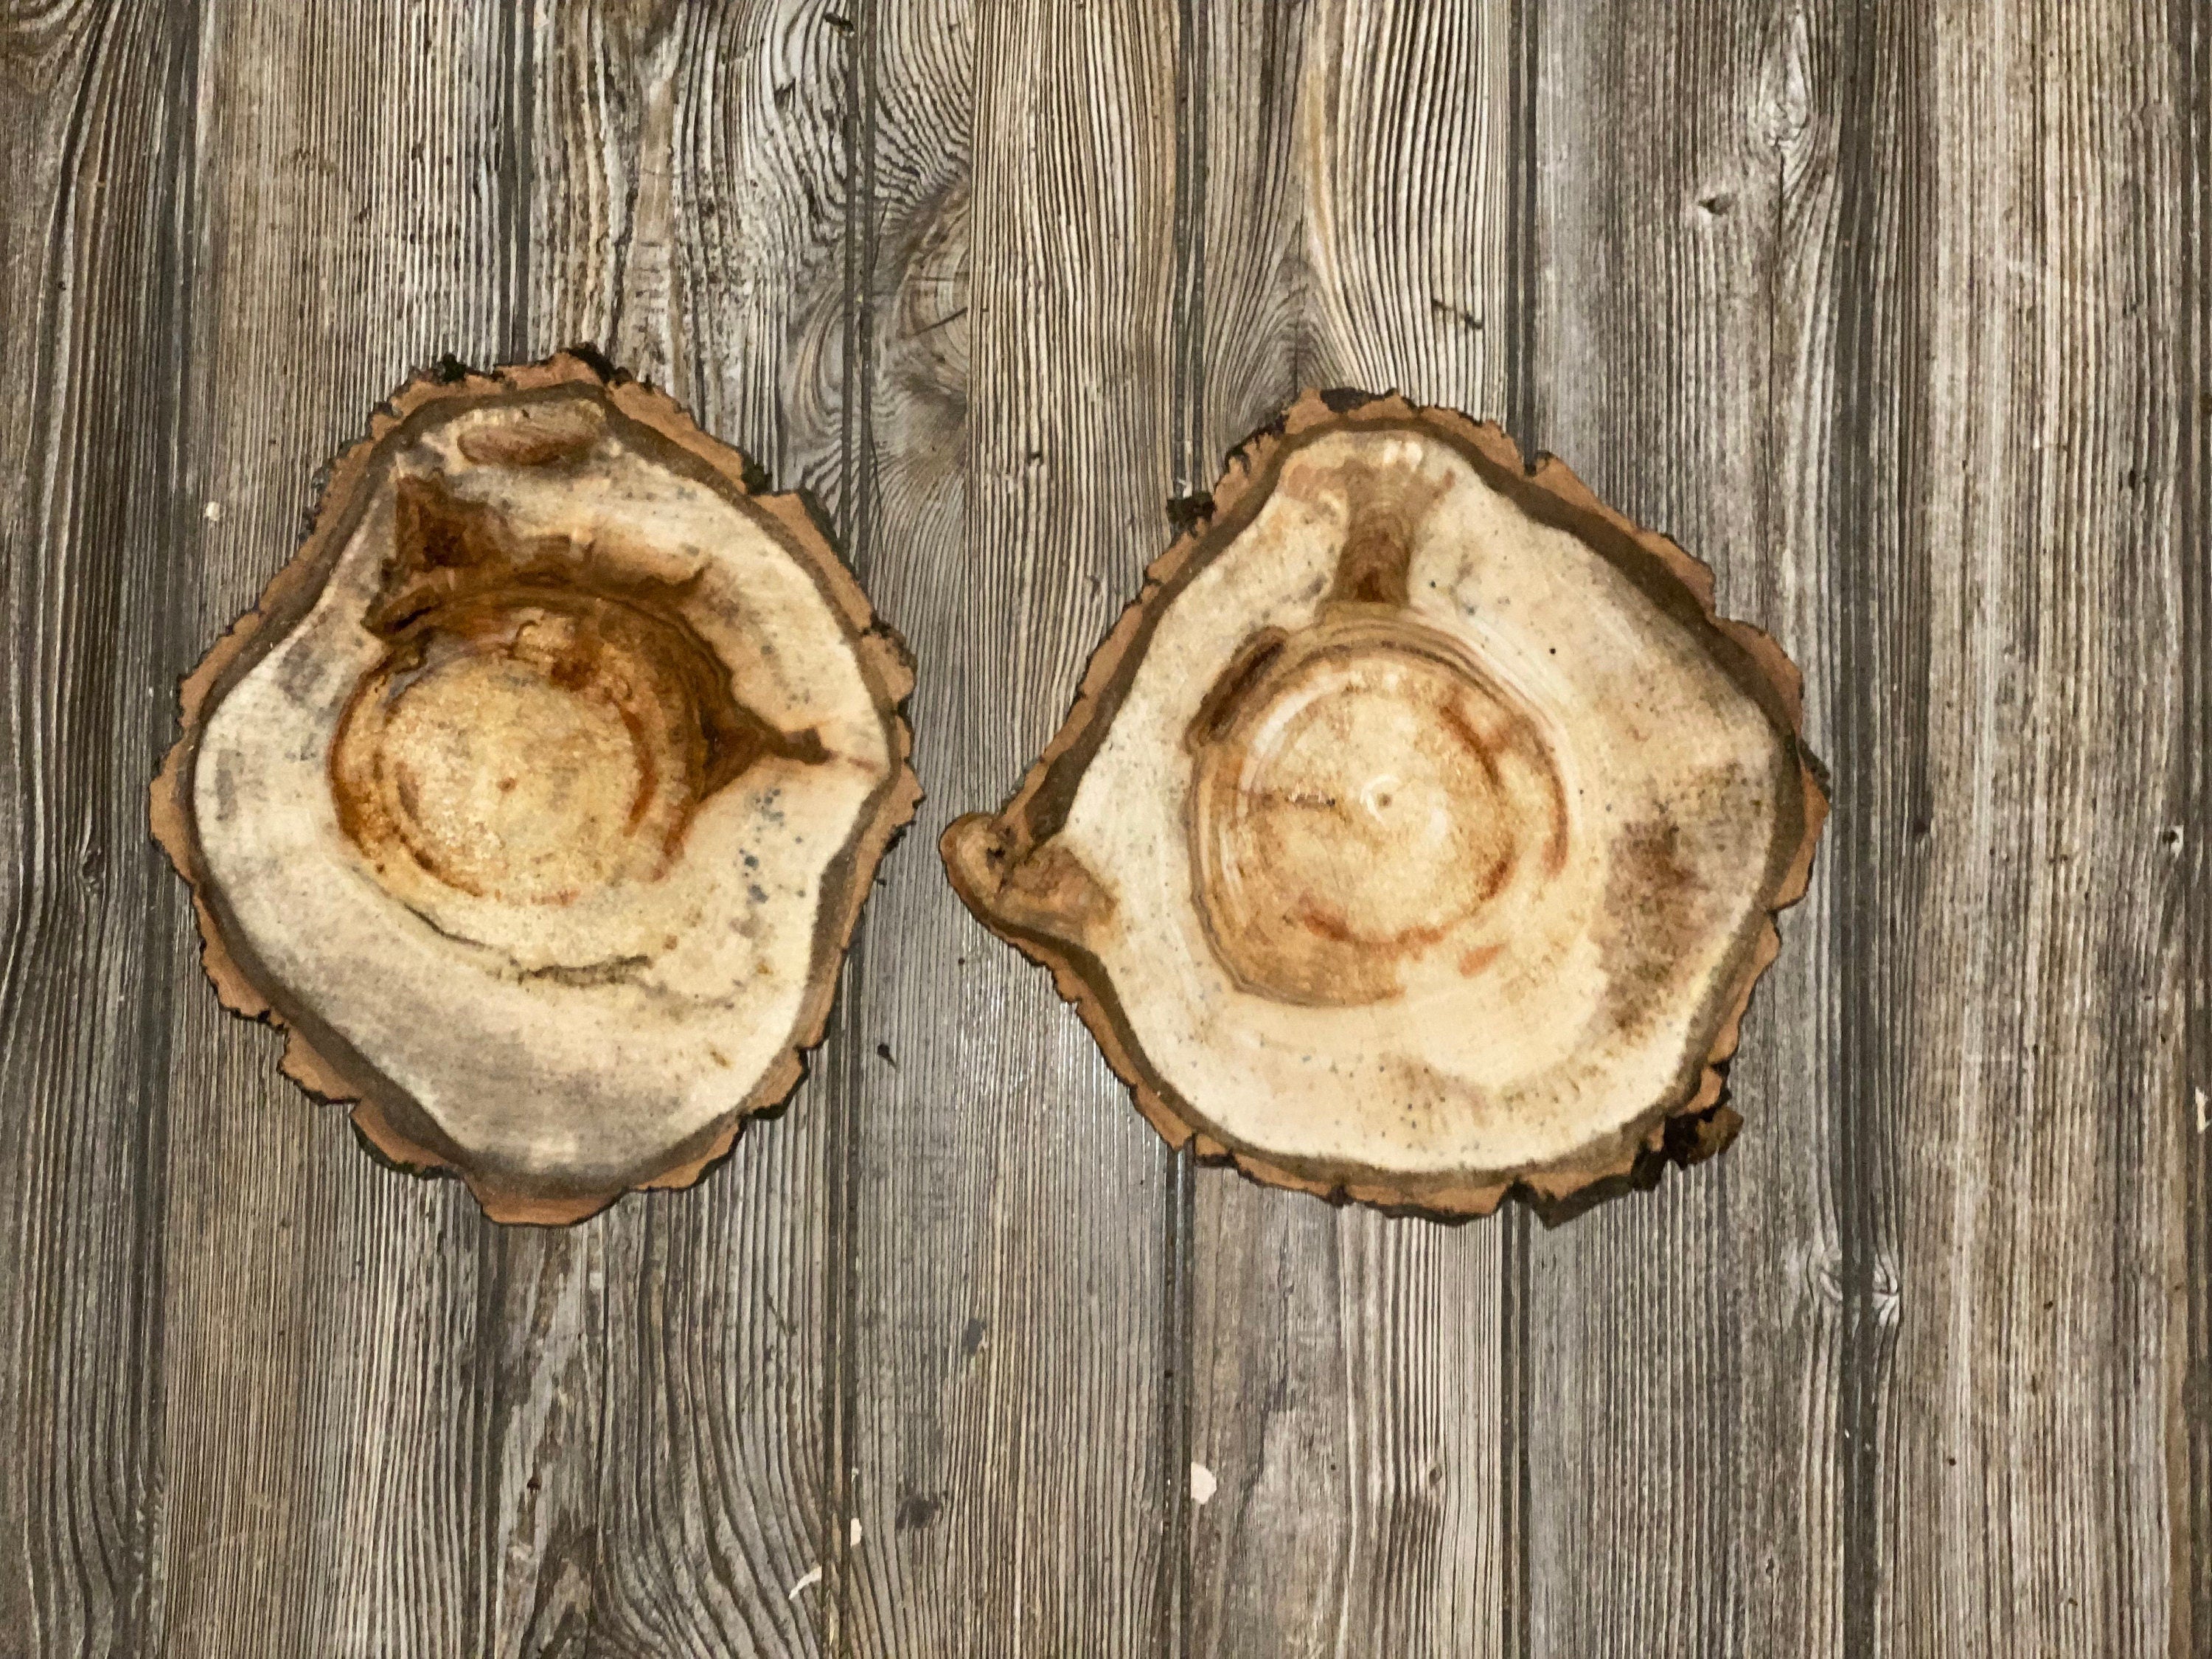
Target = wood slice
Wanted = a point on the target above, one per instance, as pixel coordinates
(537, 797)
(1417, 833)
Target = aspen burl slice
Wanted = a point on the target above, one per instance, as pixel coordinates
(1417, 833)
(537, 797)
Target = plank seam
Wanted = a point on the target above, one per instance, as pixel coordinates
(855, 516)
(519, 178)
(516, 181)
(1524, 268)
(2191, 1514)
(1186, 417)
(1867, 486)
(1515, 1361)
(149, 1196)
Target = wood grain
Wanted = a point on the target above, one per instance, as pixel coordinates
(686, 180)
(1007, 1377)
(2187, 105)
(479, 1439)
(99, 106)
(906, 380)
(1353, 1387)
(317, 1309)
(1685, 1345)
(1902, 318)
(2010, 887)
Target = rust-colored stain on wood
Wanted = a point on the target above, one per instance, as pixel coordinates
(1347, 941)
(1896, 316)
(445, 796)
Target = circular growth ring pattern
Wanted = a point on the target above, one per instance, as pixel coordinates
(1417, 833)
(538, 795)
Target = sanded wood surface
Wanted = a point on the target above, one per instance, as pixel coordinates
(1900, 317)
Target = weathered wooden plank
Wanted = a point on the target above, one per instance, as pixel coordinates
(1004, 1387)
(1900, 319)
(2010, 875)
(689, 214)
(36, 67)
(907, 378)
(1683, 1345)
(435, 1435)
(318, 1396)
(1351, 1389)
(687, 178)
(99, 104)
(2189, 107)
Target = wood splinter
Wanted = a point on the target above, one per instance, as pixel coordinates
(1417, 833)
(537, 797)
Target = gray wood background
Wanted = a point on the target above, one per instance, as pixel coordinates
(1900, 314)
